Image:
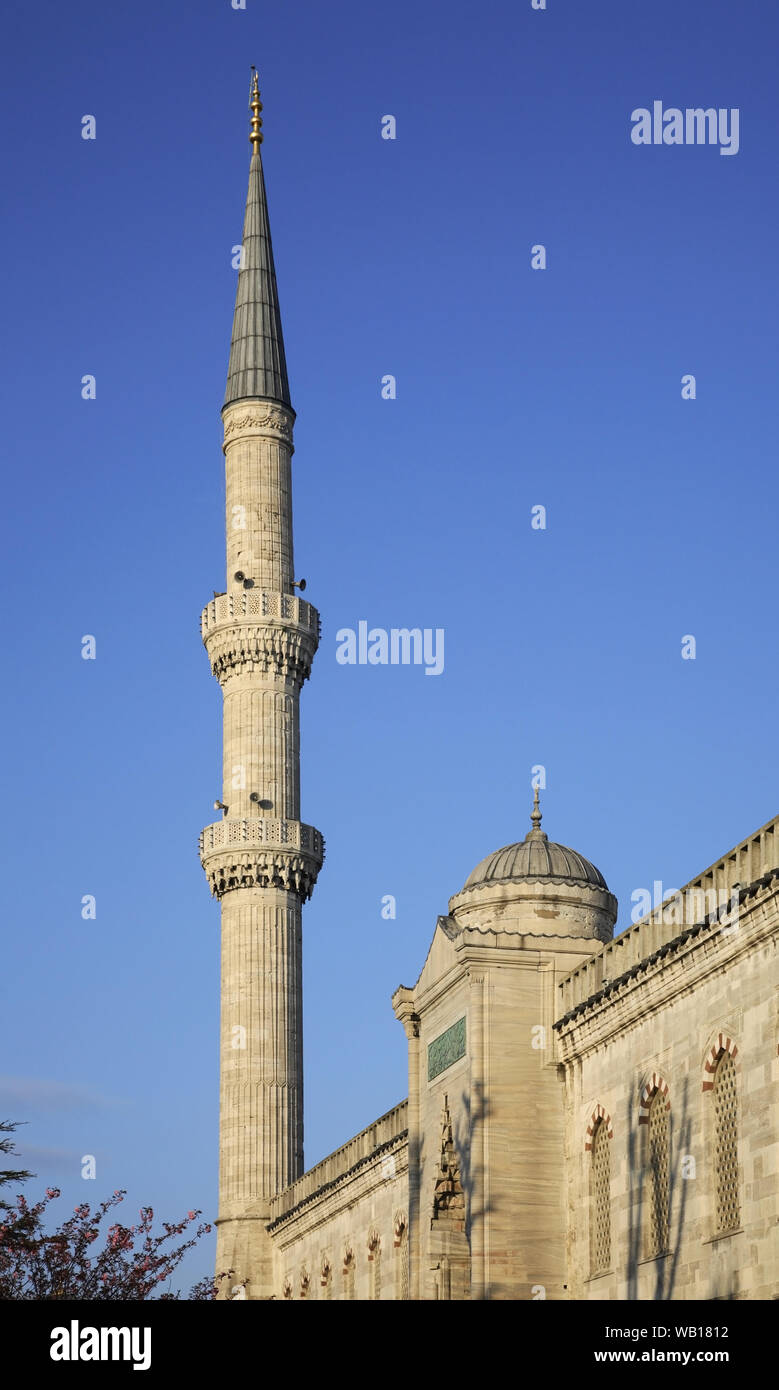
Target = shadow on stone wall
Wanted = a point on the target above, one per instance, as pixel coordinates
(475, 1109)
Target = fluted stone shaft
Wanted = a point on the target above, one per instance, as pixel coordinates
(261, 1132)
(261, 748)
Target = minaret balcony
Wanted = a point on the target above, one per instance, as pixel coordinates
(261, 853)
(258, 630)
(259, 603)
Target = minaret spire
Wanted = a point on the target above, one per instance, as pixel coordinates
(258, 364)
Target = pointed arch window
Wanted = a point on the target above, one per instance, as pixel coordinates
(658, 1173)
(727, 1212)
(600, 1198)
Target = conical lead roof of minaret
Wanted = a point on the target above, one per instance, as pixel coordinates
(258, 366)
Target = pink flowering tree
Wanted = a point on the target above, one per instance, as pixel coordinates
(78, 1261)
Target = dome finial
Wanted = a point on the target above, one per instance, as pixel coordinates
(255, 106)
(535, 814)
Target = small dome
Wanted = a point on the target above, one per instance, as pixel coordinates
(534, 858)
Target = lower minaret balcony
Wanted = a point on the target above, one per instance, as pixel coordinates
(262, 631)
(261, 853)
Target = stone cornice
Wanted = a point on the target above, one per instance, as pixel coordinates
(403, 1006)
(329, 1190)
(624, 1001)
(384, 1135)
(746, 863)
(481, 950)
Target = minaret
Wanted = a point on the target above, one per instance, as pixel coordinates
(260, 860)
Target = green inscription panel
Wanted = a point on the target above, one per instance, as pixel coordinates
(449, 1047)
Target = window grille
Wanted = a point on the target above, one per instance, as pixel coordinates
(727, 1212)
(600, 1200)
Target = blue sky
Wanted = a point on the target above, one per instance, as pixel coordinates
(514, 388)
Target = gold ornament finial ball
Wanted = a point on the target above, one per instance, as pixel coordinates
(255, 106)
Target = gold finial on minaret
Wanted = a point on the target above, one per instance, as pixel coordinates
(255, 106)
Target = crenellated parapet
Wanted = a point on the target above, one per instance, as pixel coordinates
(260, 632)
(261, 853)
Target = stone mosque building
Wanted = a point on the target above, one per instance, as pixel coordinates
(588, 1117)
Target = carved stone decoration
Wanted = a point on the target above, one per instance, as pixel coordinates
(446, 1049)
(449, 1269)
(259, 603)
(262, 418)
(448, 1195)
(262, 853)
(260, 632)
(250, 649)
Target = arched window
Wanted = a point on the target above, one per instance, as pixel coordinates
(725, 1099)
(658, 1172)
(401, 1256)
(326, 1278)
(600, 1198)
(305, 1283)
(286, 1291)
(374, 1265)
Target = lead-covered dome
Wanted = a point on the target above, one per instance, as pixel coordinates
(536, 887)
(536, 857)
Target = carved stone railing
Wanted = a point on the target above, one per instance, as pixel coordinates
(261, 853)
(259, 604)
